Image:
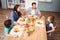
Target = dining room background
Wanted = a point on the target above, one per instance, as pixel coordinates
(43, 5)
(47, 7)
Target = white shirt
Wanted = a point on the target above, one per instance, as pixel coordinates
(33, 12)
(51, 25)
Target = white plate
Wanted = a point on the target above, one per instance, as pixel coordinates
(16, 33)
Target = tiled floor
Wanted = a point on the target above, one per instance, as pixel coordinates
(55, 35)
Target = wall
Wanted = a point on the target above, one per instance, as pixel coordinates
(0, 3)
(4, 4)
(44, 6)
(50, 6)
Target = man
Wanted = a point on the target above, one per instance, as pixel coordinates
(33, 10)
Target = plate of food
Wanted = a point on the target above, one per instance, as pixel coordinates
(16, 31)
(39, 23)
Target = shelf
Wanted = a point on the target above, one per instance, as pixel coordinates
(11, 6)
(11, 3)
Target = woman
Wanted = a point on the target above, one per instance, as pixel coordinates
(15, 14)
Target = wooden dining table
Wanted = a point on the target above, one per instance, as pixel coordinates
(38, 34)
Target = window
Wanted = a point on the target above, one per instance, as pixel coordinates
(45, 0)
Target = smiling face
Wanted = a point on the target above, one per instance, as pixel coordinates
(24, 14)
(19, 8)
(34, 6)
(51, 19)
(48, 19)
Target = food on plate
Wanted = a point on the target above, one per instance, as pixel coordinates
(27, 25)
(24, 29)
(31, 28)
(39, 22)
(31, 19)
(28, 20)
(22, 19)
(16, 30)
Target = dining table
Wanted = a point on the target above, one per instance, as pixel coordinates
(38, 33)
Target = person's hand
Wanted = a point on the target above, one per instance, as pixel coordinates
(15, 23)
(47, 31)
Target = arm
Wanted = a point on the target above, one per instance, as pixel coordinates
(38, 12)
(53, 28)
(12, 16)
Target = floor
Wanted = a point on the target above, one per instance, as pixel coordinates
(55, 35)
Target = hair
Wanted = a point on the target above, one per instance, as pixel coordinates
(33, 3)
(15, 7)
(52, 19)
(7, 23)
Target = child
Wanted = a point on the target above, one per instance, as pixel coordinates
(7, 28)
(24, 14)
(50, 27)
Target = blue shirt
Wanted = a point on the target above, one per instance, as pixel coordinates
(6, 30)
(14, 17)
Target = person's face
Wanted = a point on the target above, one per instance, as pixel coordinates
(48, 19)
(24, 14)
(19, 8)
(34, 6)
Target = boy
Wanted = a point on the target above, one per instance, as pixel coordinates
(7, 27)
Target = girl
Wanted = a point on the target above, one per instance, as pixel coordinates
(50, 26)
